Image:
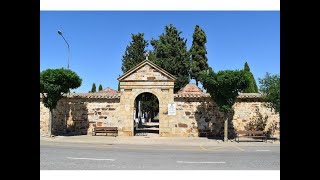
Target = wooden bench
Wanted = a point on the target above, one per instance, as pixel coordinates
(208, 133)
(252, 134)
(106, 130)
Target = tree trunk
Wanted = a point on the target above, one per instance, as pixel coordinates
(50, 122)
(197, 82)
(226, 127)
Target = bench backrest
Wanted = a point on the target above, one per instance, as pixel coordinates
(250, 132)
(106, 128)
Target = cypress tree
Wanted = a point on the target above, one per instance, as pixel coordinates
(171, 54)
(252, 88)
(134, 53)
(100, 87)
(93, 89)
(198, 53)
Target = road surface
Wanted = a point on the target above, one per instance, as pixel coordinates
(81, 156)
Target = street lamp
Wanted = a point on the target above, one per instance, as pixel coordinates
(60, 33)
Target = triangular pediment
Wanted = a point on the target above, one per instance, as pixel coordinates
(147, 71)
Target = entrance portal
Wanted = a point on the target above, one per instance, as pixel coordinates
(146, 115)
(146, 81)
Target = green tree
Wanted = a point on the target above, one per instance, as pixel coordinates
(198, 53)
(149, 104)
(93, 88)
(53, 84)
(224, 88)
(135, 52)
(270, 88)
(252, 88)
(171, 54)
(151, 56)
(100, 87)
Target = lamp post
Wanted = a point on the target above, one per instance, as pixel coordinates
(60, 33)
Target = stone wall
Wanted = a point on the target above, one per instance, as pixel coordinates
(76, 113)
(195, 115)
(250, 115)
(77, 116)
(44, 119)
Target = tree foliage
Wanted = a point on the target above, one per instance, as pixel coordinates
(152, 56)
(100, 87)
(135, 52)
(171, 54)
(270, 88)
(149, 103)
(252, 87)
(54, 83)
(93, 88)
(224, 86)
(198, 53)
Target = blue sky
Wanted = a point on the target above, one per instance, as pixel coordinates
(98, 40)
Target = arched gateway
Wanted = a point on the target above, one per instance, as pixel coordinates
(146, 77)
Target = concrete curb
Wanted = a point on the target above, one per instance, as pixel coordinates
(172, 141)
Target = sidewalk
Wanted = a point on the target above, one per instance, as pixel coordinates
(145, 140)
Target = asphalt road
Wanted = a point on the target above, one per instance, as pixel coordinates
(79, 156)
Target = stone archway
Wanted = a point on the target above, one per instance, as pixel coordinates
(145, 77)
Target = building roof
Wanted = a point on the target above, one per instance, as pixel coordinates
(190, 88)
(191, 95)
(95, 95)
(143, 63)
(189, 91)
(108, 90)
(193, 91)
(249, 95)
(91, 95)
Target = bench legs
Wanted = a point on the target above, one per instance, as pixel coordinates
(114, 134)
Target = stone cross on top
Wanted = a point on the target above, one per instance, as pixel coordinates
(147, 55)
